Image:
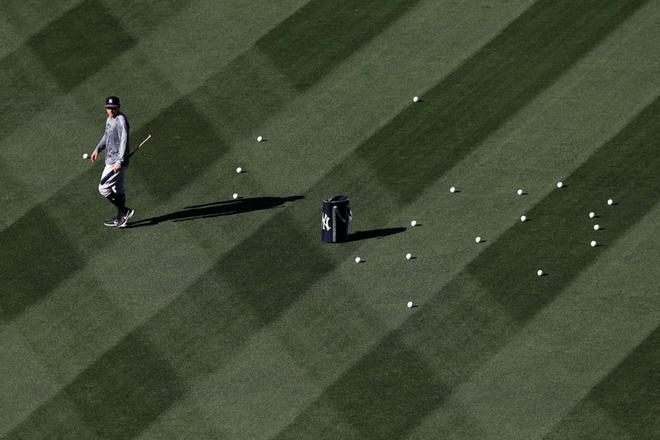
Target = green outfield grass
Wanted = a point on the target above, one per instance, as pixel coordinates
(222, 319)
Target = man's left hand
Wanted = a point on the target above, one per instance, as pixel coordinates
(116, 167)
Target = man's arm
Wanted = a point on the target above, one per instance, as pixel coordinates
(123, 140)
(99, 147)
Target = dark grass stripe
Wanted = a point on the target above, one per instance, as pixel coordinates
(38, 251)
(243, 94)
(319, 36)
(183, 147)
(71, 48)
(275, 265)
(426, 140)
(201, 329)
(145, 16)
(13, 196)
(629, 396)
(36, 257)
(116, 398)
(557, 239)
(25, 89)
(386, 394)
(57, 419)
(87, 29)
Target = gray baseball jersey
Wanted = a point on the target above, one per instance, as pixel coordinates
(115, 140)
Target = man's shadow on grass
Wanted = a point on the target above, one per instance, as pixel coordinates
(216, 209)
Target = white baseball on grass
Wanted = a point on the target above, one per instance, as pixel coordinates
(539, 272)
(358, 259)
(560, 184)
(596, 227)
(85, 155)
(239, 170)
(260, 138)
(415, 98)
(520, 192)
(413, 223)
(594, 243)
(408, 256)
(235, 196)
(523, 218)
(477, 240)
(592, 214)
(610, 202)
(452, 189)
(410, 304)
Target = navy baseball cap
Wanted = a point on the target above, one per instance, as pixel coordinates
(112, 102)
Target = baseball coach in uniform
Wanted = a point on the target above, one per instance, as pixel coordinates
(115, 142)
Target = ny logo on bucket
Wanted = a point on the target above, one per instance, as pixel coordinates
(325, 222)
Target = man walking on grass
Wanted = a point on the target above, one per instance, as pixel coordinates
(115, 142)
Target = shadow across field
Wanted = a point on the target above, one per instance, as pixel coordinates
(216, 209)
(374, 233)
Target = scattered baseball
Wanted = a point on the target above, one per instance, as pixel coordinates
(235, 196)
(410, 304)
(85, 155)
(260, 138)
(610, 202)
(594, 243)
(477, 240)
(408, 256)
(596, 227)
(520, 192)
(539, 273)
(413, 223)
(452, 189)
(416, 99)
(239, 170)
(560, 184)
(523, 218)
(358, 259)
(592, 214)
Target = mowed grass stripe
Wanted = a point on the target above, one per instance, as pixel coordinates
(628, 399)
(263, 90)
(22, 19)
(320, 35)
(130, 385)
(557, 240)
(56, 48)
(497, 293)
(116, 397)
(565, 350)
(36, 257)
(427, 140)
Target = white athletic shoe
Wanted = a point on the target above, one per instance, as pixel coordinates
(123, 220)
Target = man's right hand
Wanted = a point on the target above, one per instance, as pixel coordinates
(95, 155)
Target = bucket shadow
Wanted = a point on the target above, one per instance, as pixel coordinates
(374, 233)
(217, 209)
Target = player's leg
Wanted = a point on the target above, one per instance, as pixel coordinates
(113, 190)
(106, 190)
(123, 212)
